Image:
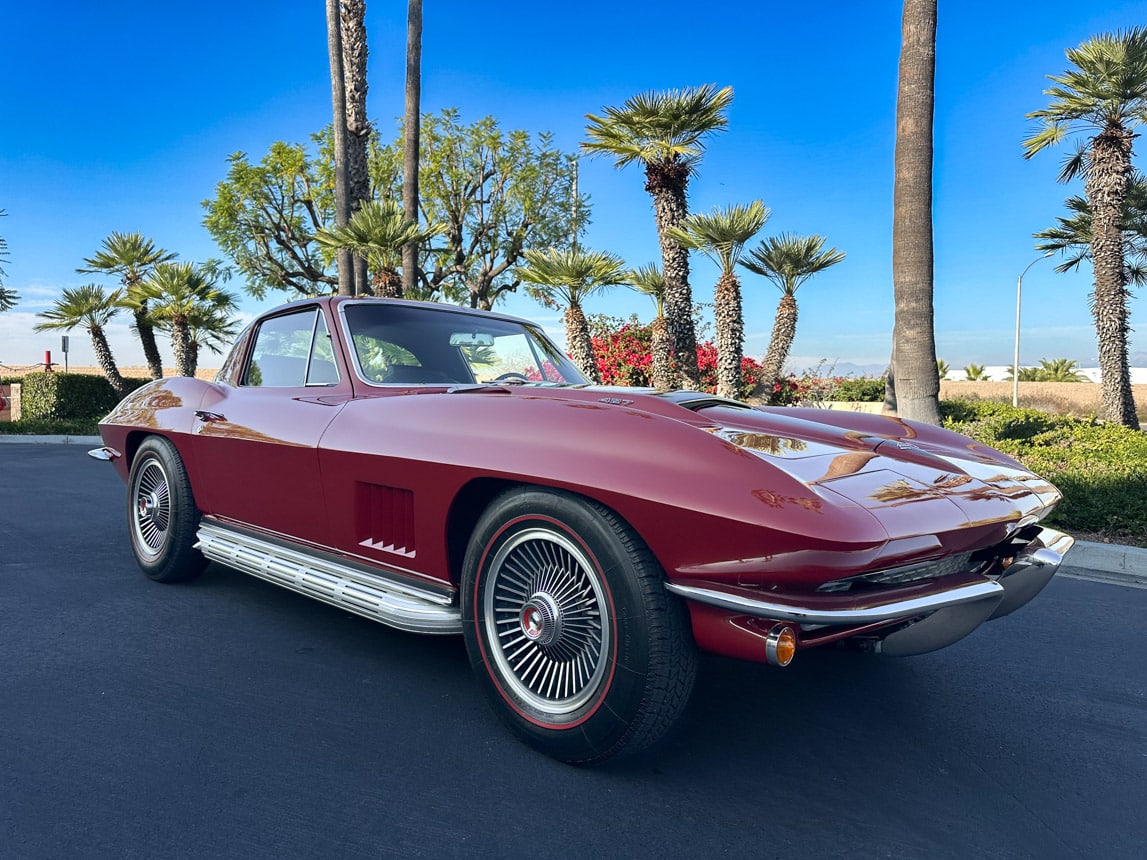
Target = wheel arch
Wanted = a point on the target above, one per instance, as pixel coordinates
(475, 497)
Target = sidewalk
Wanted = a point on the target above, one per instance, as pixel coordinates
(1099, 562)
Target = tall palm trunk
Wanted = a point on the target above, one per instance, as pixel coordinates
(661, 348)
(780, 342)
(917, 379)
(105, 360)
(730, 335)
(338, 104)
(145, 330)
(354, 52)
(667, 183)
(1106, 188)
(411, 131)
(580, 344)
(180, 345)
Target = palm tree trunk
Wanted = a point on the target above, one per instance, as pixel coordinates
(145, 331)
(730, 335)
(411, 131)
(661, 347)
(917, 378)
(780, 342)
(105, 360)
(338, 103)
(667, 183)
(579, 343)
(192, 357)
(388, 284)
(1106, 188)
(180, 338)
(354, 52)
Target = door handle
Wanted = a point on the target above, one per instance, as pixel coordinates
(204, 415)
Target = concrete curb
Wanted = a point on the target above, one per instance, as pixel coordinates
(51, 440)
(1106, 562)
(1099, 562)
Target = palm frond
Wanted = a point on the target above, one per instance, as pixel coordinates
(721, 234)
(789, 260)
(571, 274)
(659, 127)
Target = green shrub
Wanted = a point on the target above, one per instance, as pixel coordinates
(863, 389)
(1101, 469)
(68, 396)
(46, 427)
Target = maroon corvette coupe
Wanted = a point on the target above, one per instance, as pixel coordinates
(449, 471)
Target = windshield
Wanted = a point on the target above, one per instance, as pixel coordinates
(424, 344)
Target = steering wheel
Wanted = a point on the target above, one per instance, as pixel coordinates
(511, 376)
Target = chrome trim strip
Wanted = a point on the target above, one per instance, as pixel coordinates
(811, 615)
(404, 607)
(106, 453)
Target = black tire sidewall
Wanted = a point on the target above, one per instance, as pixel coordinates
(602, 723)
(177, 560)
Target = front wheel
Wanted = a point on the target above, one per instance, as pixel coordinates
(161, 514)
(570, 631)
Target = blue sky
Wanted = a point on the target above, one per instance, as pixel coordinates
(119, 116)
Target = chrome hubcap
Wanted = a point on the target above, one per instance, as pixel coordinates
(152, 508)
(547, 621)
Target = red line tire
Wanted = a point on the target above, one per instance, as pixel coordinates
(162, 517)
(570, 631)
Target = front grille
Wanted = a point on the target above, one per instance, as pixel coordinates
(947, 566)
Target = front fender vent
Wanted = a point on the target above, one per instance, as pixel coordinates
(385, 518)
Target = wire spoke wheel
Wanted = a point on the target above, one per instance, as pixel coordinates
(571, 634)
(162, 516)
(151, 504)
(547, 621)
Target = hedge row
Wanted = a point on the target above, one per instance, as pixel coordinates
(68, 396)
(1101, 469)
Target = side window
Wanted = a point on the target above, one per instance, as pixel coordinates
(292, 351)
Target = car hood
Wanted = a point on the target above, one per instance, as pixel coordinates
(902, 472)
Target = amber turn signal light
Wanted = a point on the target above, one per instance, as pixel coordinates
(780, 645)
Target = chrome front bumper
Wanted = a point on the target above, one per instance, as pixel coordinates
(939, 618)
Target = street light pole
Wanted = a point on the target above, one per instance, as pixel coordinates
(1016, 357)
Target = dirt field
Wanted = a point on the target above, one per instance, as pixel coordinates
(132, 372)
(1077, 398)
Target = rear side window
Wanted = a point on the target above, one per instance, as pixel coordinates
(292, 351)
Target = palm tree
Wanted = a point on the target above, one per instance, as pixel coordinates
(648, 280)
(411, 133)
(8, 298)
(1059, 370)
(1072, 235)
(378, 232)
(568, 277)
(1106, 93)
(211, 325)
(341, 141)
(942, 369)
(132, 257)
(358, 128)
(178, 291)
(975, 373)
(721, 236)
(88, 307)
(788, 261)
(666, 132)
(913, 337)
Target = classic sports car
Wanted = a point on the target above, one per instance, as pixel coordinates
(449, 471)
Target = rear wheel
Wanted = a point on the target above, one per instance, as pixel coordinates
(161, 514)
(570, 631)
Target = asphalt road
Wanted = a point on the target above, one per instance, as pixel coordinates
(230, 718)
